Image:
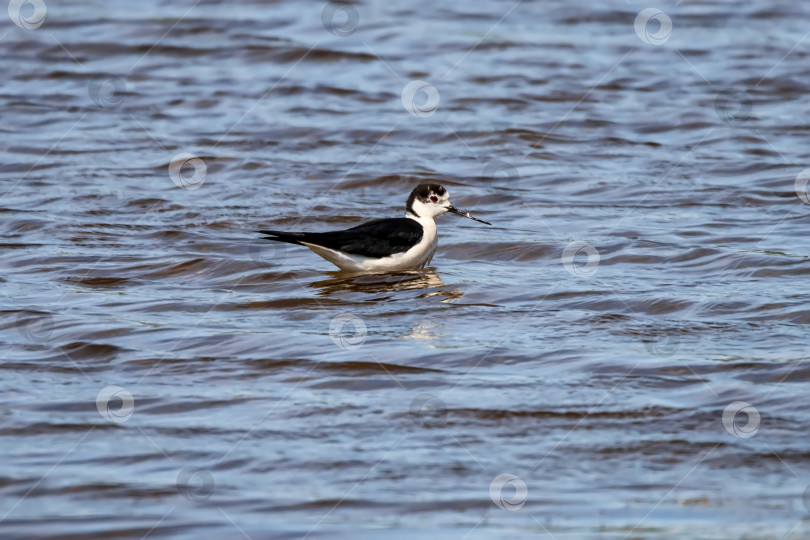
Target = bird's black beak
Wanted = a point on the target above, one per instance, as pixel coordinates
(458, 212)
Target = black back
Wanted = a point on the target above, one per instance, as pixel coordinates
(375, 239)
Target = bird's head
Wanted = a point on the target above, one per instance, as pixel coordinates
(431, 200)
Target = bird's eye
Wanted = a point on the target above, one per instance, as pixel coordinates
(434, 198)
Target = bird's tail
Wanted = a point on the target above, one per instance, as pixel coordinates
(280, 236)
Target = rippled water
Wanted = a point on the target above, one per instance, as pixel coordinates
(628, 341)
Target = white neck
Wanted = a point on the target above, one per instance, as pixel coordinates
(427, 246)
(424, 220)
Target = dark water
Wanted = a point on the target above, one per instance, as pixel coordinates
(166, 374)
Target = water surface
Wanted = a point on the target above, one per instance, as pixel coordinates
(165, 373)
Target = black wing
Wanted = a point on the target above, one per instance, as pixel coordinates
(375, 239)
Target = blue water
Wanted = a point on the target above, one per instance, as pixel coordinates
(627, 342)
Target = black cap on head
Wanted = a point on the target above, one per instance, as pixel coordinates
(423, 193)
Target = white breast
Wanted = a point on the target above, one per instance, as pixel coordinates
(418, 256)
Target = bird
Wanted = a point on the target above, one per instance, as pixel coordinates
(383, 245)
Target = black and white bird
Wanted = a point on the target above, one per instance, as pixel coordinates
(383, 245)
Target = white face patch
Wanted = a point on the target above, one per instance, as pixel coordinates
(433, 205)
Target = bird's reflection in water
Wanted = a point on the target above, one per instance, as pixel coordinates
(397, 281)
